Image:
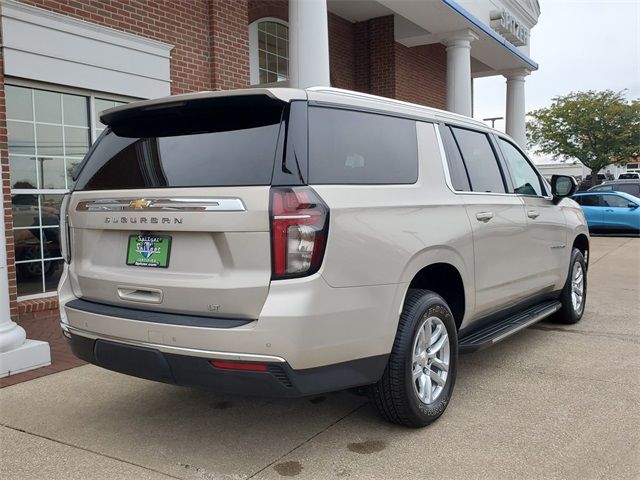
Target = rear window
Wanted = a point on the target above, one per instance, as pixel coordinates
(347, 147)
(233, 145)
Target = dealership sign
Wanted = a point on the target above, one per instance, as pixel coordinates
(511, 28)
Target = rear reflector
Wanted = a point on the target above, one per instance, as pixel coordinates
(247, 367)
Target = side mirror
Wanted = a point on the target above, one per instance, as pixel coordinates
(563, 186)
(632, 205)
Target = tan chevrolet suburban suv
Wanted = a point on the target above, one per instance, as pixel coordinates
(286, 242)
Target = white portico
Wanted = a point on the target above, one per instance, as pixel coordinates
(482, 38)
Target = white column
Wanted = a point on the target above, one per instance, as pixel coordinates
(459, 97)
(308, 44)
(16, 353)
(516, 113)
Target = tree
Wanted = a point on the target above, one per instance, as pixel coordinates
(597, 128)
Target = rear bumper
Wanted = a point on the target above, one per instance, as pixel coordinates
(304, 322)
(280, 380)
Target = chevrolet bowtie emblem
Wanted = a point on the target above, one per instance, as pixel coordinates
(140, 203)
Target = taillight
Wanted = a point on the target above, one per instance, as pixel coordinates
(299, 229)
(65, 233)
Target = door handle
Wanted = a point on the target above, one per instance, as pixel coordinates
(136, 294)
(609, 210)
(484, 216)
(533, 214)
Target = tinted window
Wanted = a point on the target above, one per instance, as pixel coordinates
(525, 179)
(481, 162)
(588, 200)
(457, 170)
(214, 148)
(361, 148)
(630, 188)
(615, 201)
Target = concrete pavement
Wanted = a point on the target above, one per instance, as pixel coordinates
(551, 402)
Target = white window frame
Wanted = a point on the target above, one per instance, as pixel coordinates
(93, 126)
(254, 59)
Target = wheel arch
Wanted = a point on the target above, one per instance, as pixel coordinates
(444, 275)
(581, 242)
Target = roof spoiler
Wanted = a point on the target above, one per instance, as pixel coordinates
(142, 108)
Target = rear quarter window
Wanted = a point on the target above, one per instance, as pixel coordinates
(349, 147)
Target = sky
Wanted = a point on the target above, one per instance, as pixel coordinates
(579, 45)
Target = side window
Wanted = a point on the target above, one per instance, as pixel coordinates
(347, 147)
(457, 170)
(614, 201)
(481, 162)
(524, 177)
(589, 200)
(630, 189)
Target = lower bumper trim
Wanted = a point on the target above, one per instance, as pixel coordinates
(246, 357)
(280, 380)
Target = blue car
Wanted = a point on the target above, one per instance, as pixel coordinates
(610, 211)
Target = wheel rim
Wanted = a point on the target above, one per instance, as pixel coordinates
(430, 362)
(577, 287)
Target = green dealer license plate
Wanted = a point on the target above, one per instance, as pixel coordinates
(147, 250)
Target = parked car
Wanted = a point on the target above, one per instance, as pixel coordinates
(629, 176)
(291, 242)
(632, 187)
(610, 211)
(585, 184)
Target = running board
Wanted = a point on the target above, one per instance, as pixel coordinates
(494, 332)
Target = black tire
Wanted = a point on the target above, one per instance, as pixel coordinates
(568, 314)
(394, 395)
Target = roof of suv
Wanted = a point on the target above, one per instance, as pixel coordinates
(624, 181)
(320, 95)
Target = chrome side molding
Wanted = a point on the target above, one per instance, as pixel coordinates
(162, 205)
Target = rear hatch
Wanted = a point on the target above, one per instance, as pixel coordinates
(170, 208)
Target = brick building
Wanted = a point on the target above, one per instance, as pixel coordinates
(63, 61)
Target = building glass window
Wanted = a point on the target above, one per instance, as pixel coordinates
(102, 104)
(269, 43)
(48, 135)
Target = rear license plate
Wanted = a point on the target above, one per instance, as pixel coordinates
(147, 250)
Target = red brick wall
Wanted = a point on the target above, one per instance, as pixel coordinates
(341, 52)
(183, 23)
(361, 57)
(268, 8)
(229, 50)
(421, 75)
(382, 58)
(386, 68)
